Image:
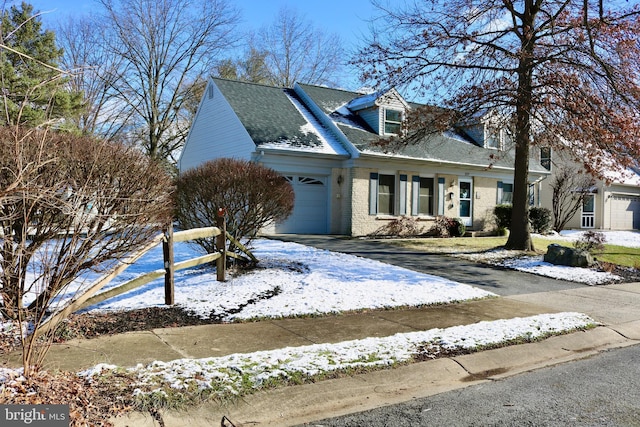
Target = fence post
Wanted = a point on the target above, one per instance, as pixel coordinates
(167, 250)
(221, 245)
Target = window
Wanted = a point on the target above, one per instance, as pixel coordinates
(532, 195)
(545, 158)
(392, 121)
(505, 193)
(493, 139)
(386, 194)
(424, 199)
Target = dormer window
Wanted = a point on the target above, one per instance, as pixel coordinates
(545, 157)
(493, 138)
(392, 122)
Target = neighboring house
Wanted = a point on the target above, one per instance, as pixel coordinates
(321, 140)
(612, 206)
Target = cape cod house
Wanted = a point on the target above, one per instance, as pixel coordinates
(322, 139)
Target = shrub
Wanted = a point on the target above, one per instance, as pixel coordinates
(69, 205)
(251, 194)
(591, 241)
(447, 227)
(404, 226)
(540, 219)
(456, 227)
(502, 216)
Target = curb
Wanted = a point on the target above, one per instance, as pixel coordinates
(294, 405)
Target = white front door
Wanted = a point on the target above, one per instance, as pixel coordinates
(588, 211)
(465, 195)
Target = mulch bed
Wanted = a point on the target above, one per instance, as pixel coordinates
(92, 325)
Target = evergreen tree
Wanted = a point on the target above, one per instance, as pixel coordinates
(34, 89)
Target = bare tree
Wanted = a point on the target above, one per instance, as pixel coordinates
(164, 44)
(296, 51)
(569, 187)
(252, 67)
(564, 74)
(93, 71)
(69, 206)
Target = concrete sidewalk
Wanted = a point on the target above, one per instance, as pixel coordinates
(617, 307)
(311, 402)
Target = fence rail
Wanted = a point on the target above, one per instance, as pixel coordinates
(168, 238)
(170, 266)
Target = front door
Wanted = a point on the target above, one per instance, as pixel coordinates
(466, 201)
(588, 211)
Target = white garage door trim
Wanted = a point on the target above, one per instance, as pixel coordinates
(310, 210)
(625, 212)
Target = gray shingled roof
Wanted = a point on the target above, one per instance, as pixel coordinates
(270, 117)
(267, 113)
(449, 147)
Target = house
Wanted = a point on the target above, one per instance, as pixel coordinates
(612, 205)
(323, 141)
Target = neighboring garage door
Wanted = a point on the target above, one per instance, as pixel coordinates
(310, 210)
(625, 212)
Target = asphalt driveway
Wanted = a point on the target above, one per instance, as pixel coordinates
(494, 279)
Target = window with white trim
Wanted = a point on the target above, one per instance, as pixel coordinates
(382, 194)
(505, 193)
(386, 194)
(423, 196)
(493, 138)
(392, 122)
(545, 157)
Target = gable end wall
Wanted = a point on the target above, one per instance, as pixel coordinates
(216, 132)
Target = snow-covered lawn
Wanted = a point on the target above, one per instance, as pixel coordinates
(536, 265)
(240, 374)
(299, 280)
(292, 280)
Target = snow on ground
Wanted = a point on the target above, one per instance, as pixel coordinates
(536, 265)
(293, 280)
(233, 374)
(298, 280)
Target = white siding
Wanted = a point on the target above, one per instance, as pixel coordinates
(216, 132)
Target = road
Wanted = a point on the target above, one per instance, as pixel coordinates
(603, 390)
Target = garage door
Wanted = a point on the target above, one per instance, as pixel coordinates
(625, 212)
(310, 210)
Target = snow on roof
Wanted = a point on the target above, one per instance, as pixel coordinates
(625, 177)
(329, 144)
(364, 101)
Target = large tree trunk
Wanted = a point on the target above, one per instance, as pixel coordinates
(520, 237)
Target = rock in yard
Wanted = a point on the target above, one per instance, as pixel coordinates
(562, 255)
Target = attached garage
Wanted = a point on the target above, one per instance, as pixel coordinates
(311, 208)
(625, 212)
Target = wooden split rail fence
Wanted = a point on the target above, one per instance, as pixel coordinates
(168, 238)
(170, 266)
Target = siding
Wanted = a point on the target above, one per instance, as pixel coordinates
(372, 117)
(216, 132)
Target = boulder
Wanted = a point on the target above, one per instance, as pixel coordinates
(562, 255)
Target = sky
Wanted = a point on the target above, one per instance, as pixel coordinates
(346, 18)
